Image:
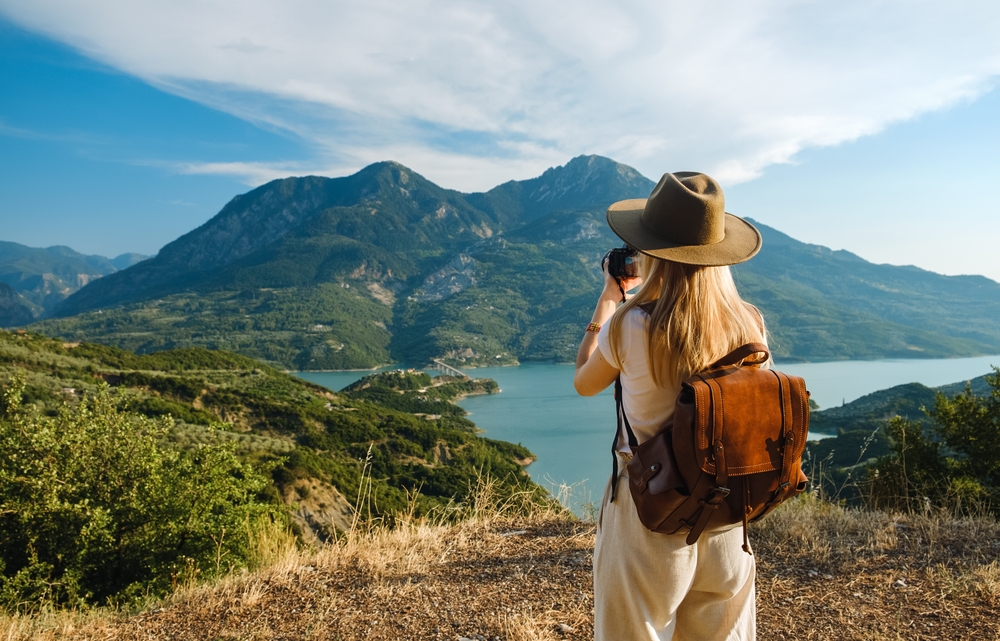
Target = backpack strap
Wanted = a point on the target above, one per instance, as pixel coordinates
(741, 354)
(632, 440)
(787, 434)
(746, 515)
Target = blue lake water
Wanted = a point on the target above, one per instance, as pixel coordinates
(571, 435)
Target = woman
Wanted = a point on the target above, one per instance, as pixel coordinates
(686, 315)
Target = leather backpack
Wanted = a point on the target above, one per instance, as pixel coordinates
(731, 452)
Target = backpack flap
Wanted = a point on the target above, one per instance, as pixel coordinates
(767, 419)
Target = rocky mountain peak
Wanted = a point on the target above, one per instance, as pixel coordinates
(585, 182)
(585, 174)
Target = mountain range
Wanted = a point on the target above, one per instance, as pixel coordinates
(384, 265)
(42, 278)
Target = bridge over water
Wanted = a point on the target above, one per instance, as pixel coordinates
(445, 368)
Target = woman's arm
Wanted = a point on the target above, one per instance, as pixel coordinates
(593, 371)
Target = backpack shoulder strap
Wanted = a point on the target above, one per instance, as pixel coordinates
(632, 440)
(742, 353)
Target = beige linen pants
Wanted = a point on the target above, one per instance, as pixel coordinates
(655, 587)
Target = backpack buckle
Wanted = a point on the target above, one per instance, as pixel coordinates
(718, 495)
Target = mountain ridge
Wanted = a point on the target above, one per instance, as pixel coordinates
(188, 252)
(44, 276)
(384, 265)
(963, 308)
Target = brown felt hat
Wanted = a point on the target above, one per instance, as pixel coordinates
(685, 220)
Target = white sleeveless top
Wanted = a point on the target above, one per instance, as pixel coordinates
(647, 406)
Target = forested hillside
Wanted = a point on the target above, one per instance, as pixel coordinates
(823, 305)
(416, 443)
(385, 266)
(14, 310)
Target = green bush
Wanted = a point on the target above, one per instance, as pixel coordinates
(95, 508)
(954, 463)
(969, 426)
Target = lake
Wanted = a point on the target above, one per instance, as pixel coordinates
(571, 435)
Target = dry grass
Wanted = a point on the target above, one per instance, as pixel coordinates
(823, 573)
(829, 573)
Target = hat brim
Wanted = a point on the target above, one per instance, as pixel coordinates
(741, 243)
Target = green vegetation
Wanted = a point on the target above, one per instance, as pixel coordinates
(892, 452)
(830, 305)
(955, 462)
(323, 327)
(418, 393)
(416, 445)
(96, 506)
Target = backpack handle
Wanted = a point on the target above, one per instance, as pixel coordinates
(741, 353)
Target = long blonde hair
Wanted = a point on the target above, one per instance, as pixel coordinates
(697, 318)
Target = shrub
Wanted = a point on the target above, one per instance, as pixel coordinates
(955, 463)
(96, 508)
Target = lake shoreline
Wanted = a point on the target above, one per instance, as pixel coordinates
(571, 435)
(779, 364)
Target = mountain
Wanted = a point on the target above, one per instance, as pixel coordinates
(823, 304)
(45, 277)
(584, 182)
(873, 409)
(384, 265)
(384, 217)
(126, 260)
(13, 310)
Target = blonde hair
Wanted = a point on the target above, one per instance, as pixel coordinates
(697, 317)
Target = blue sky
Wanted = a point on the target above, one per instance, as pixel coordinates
(872, 128)
(90, 156)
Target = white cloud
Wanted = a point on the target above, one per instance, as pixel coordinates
(473, 93)
(252, 173)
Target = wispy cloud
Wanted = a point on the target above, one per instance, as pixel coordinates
(252, 173)
(475, 92)
(72, 137)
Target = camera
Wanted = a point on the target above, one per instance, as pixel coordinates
(622, 262)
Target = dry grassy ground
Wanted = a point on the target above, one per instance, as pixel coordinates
(823, 573)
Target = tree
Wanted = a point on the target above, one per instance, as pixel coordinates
(955, 463)
(96, 506)
(969, 426)
(912, 474)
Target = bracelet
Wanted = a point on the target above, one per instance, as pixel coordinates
(594, 327)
